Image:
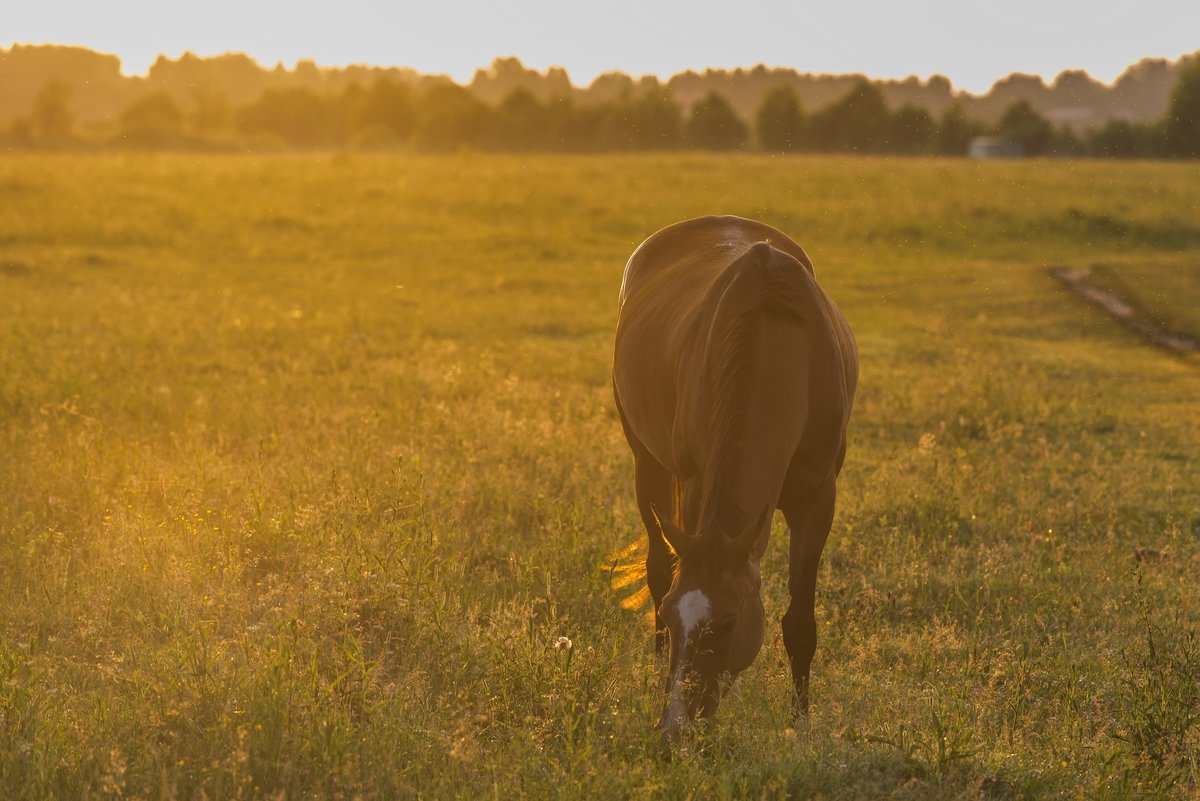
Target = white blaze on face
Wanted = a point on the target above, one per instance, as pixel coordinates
(693, 608)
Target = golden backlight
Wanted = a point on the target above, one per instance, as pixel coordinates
(312, 485)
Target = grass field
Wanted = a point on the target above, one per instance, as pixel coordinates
(307, 463)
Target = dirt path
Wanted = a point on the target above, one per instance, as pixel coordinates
(1076, 280)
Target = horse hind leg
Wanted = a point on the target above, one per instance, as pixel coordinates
(809, 523)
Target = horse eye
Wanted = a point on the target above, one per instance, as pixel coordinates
(726, 626)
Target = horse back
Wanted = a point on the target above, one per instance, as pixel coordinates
(714, 241)
(683, 290)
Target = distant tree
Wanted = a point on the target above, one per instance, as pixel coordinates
(347, 105)
(299, 117)
(1021, 123)
(307, 74)
(955, 131)
(450, 117)
(522, 123)
(714, 125)
(780, 120)
(1181, 125)
(387, 109)
(601, 126)
(655, 120)
(648, 119)
(508, 74)
(856, 123)
(609, 87)
(1122, 139)
(563, 124)
(19, 134)
(211, 114)
(153, 120)
(1065, 142)
(912, 132)
(605, 112)
(50, 117)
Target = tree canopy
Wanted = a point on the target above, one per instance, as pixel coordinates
(188, 104)
(780, 120)
(714, 125)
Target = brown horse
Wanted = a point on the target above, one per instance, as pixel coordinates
(734, 376)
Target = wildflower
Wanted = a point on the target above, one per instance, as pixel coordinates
(563, 644)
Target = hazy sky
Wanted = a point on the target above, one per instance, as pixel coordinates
(973, 43)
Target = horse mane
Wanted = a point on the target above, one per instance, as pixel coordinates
(764, 280)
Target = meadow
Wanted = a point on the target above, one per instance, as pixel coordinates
(308, 464)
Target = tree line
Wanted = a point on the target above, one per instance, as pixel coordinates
(393, 114)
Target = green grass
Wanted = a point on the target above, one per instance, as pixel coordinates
(307, 462)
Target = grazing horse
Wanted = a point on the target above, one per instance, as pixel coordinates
(734, 375)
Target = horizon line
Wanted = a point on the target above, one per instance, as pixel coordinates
(545, 70)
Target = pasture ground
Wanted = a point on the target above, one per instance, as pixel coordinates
(307, 463)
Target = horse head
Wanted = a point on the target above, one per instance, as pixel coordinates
(714, 617)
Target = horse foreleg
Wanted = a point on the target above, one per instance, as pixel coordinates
(655, 492)
(809, 524)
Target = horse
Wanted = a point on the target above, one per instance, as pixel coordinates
(734, 377)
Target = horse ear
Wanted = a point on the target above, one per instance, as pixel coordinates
(673, 534)
(744, 542)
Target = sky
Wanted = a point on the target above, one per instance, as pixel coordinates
(972, 43)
